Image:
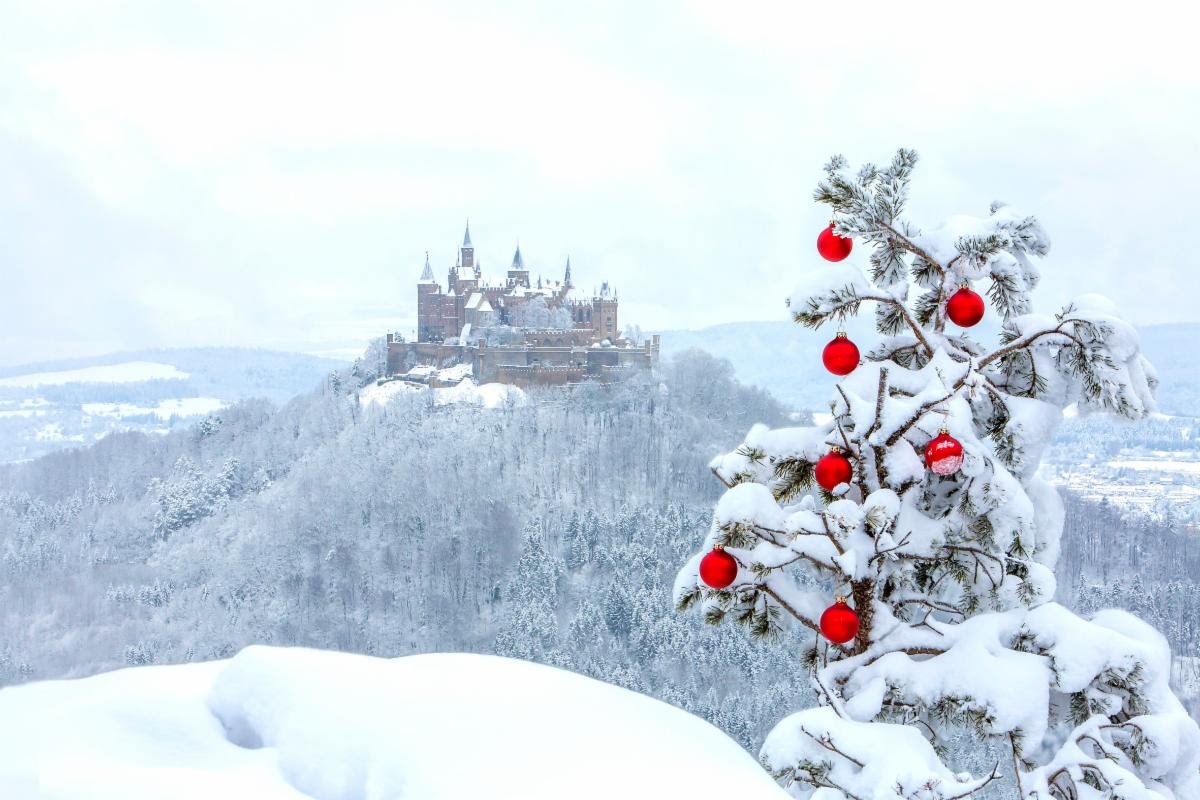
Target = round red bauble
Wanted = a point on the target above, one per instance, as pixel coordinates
(840, 355)
(718, 568)
(965, 307)
(833, 247)
(839, 623)
(944, 454)
(832, 470)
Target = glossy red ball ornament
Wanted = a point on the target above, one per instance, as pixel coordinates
(833, 247)
(965, 307)
(718, 568)
(839, 623)
(832, 470)
(943, 454)
(840, 356)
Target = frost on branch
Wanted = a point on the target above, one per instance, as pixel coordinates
(951, 576)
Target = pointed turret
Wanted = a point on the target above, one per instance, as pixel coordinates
(517, 274)
(466, 253)
(427, 273)
(567, 276)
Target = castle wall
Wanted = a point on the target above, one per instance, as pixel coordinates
(526, 365)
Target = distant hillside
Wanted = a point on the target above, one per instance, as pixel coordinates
(785, 359)
(49, 405)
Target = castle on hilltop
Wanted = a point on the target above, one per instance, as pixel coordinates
(514, 331)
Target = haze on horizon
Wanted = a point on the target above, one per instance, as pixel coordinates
(213, 174)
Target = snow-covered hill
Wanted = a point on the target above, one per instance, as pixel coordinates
(296, 723)
(51, 405)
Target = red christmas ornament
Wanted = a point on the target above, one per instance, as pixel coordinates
(718, 568)
(943, 454)
(965, 307)
(839, 623)
(833, 247)
(841, 355)
(832, 470)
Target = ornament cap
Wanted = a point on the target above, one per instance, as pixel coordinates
(840, 335)
(943, 431)
(833, 448)
(718, 546)
(964, 285)
(841, 598)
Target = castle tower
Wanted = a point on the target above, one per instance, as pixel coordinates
(428, 309)
(517, 274)
(604, 313)
(467, 252)
(567, 275)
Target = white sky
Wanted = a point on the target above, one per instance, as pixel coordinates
(271, 174)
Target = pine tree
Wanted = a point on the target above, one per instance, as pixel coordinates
(951, 576)
(530, 629)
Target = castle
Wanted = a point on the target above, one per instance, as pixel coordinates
(514, 331)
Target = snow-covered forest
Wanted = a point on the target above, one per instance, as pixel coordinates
(550, 530)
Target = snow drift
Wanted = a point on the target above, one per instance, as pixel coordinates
(296, 723)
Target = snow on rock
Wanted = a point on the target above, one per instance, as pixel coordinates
(383, 393)
(455, 373)
(487, 395)
(127, 372)
(297, 723)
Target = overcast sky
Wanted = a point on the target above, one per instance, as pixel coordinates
(199, 173)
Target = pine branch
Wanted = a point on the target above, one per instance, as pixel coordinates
(803, 620)
(1028, 341)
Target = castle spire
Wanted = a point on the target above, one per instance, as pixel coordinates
(518, 262)
(427, 273)
(467, 235)
(567, 276)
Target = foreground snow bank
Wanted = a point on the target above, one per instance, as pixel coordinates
(295, 723)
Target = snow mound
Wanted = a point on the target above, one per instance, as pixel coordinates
(296, 723)
(383, 393)
(128, 372)
(487, 395)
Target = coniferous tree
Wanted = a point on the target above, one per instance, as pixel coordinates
(951, 576)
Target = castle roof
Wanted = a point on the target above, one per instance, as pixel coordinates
(427, 273)
(467, 235)
(518, 262)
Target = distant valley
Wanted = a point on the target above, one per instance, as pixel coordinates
(51, 405)
(1151, 468)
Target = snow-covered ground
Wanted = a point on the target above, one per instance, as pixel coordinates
(174, 407)
(486, 395)
(127, 372)
(274, 723)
